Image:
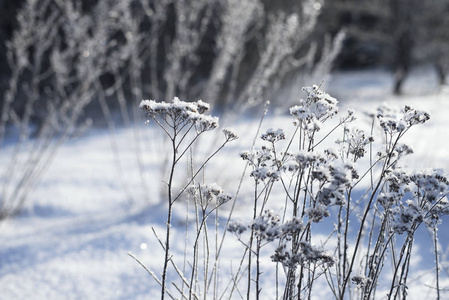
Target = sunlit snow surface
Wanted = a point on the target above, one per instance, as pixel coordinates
(72, 240)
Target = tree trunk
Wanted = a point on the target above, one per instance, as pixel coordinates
(441, 73)
(403, 42)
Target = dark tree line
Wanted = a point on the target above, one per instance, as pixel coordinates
(394, 33)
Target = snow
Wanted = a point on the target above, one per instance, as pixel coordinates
(73, 238)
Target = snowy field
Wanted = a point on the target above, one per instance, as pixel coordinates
(73, 238)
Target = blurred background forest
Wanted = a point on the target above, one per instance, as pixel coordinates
(396, 34)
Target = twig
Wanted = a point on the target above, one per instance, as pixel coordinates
(150, 272)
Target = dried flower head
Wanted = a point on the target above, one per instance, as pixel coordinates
(266, 226)
(273, 136)
(355, 142)
(393, 121)
(306, 254)
(263, 173)
(179, 113)
(317, 214)
(407, 217)
(237, 228)
(209, 193)
(258, 158)
(432, 185)
(361, 281)
(317, 108)
(230, 135)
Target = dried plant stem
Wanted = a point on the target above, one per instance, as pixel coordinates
(150, 272)
(403, 255)
(264, 113)
(169, 216)
(437, 262)
(360, 233)
(167, 253)
(250, 246)
(258, 272)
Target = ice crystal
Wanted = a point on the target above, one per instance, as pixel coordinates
(291, 228)
(322, 174)
(290, 166)
(331, 195)
(331, 154)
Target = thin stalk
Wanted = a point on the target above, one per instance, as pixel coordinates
(437, 263)
(149, 271)
(407, 244)
(214, 274)
(380, 264)
(240, 182)
(198, 171)
(258, 289)
(248, 292)
(235, 278)
(206, 253)
(365, 215)
(370, 243)
(187, 224)
(169, 217)
(195, 246)
(338, 266)
(405, 270)
(201, 226)
(345, 243)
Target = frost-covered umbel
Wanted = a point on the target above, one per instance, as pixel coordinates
(208, 194)
(317, 108)
(393, 121)
(180, 113)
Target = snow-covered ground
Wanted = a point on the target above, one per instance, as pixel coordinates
(72, 240)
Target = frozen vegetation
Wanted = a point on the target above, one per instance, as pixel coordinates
(335, 190)
(74, 239)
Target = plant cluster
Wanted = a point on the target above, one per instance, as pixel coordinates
(327, 185)
(370, 214)
(184, 123)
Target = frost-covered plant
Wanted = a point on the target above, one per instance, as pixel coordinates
(57, 57)
(207, 200)
(326, 185)
(183, 123)
(370, 213)
(64, 55)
